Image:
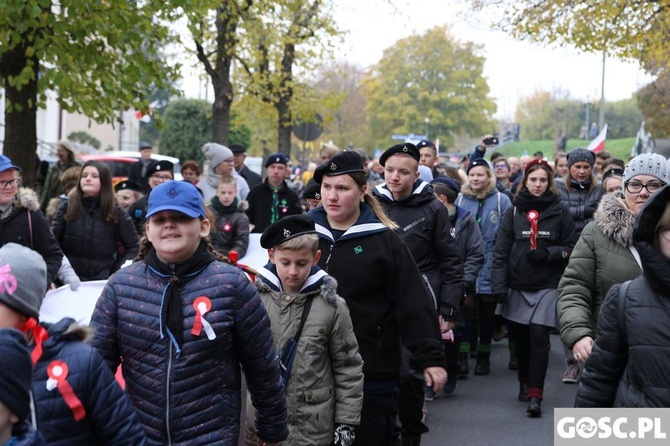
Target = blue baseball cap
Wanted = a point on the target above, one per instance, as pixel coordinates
(178, 196)
(6, 164)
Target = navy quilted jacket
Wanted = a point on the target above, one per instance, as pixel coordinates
(192, 397)
(109, 420)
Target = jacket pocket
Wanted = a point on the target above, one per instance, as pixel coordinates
(318, 396)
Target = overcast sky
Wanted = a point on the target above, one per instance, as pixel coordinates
(513, 69)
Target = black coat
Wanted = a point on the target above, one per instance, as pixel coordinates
(251, 177)
(135, 174)
(425, 227)
(629, 363)
(512, 269)
(260, 205)
(582, 203)
(384, 291)
(23, 223)
(92, 244)
(110, 418)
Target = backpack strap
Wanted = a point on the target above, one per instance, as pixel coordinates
(623, 290)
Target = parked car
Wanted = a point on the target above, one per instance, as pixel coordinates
(119, 162)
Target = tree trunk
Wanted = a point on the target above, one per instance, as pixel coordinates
(223, 99)
(284, 127)
(20, 143)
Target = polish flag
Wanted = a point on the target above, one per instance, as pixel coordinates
(598, 144)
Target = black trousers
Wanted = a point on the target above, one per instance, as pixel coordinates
(532, 352)
(377, 420)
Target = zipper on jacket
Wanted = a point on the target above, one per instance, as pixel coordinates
(330, 253)
(167, 394)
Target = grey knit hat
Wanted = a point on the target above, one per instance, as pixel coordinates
(216, 153)
(23, 279)
(579, 154)
(651, 164)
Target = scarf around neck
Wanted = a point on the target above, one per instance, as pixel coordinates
(178, 274)
(220, 207)
(526, 201)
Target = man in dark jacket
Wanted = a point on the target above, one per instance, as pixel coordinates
(21, 220)
(158, 173)
(273, 199)
(425, 227)
(139, 170)
(240, 153)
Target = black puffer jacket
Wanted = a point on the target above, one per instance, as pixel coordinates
(23, 223)
(425, 227)
(582, 202)
(511, 267)
(230, 230)
(629, 364)
(92, 244)
(109, 420)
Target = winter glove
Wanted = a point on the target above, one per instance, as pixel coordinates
(469, 288)
(538, 256)
(500, 298)
(74, 284)
(344, 435)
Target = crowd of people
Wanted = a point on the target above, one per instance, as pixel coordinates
(384, 279)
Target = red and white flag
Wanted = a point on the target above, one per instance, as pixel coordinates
(598, 144)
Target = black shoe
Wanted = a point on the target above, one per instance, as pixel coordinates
(523, 392)
(513, 362)
(463, 366)
(483, 365)
(534, 407)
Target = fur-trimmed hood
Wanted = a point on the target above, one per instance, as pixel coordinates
(614, 219)
(467, 190)
(318, 283)
(26, 198)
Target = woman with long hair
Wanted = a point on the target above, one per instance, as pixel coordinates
(94, 233)
(377, 277)
(534, 242)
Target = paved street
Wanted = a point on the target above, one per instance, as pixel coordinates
(484, 410)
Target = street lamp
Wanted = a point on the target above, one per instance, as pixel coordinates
(427, 122)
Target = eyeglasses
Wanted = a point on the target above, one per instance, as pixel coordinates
(161, 178)
(500, 166)
(4, 184)
(229, 160)
(635, 187)
(665, 232)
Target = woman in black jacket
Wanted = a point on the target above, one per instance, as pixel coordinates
(382, 286)
(534, 242)
(95, 234)
(629, 363)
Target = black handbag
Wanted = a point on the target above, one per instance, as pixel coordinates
(287, 354)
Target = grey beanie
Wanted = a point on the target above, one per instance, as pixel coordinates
(23, 279)
(15, 372)
(580, 154)
(216, 153)
(651, 164)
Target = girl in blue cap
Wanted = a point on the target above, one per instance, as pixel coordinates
(185, 324)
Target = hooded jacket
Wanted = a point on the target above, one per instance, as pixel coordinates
(92, 243)
(629, 364)
(493, 205)
(230, 230)
(555, 233)
(425, 227)
(325, 387)
(600, 259)
(23, 223)
(110, 418)
(385, 294)
(192, 398)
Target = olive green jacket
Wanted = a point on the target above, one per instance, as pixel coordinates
(601, 258)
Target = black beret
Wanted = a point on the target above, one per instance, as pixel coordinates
(408, 148)
(346, 161)
(160, 166)
(128, 185)
(238, 148)
(479, 162)
(425, 143)
(447, 182)
(312, 190)
(277, 158)
(287, 228)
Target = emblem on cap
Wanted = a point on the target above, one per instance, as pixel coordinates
(158, 167)
(317, 196)
(172, 193)
(277, 160)
(405, 149)
(333, 166)
(287, 233)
